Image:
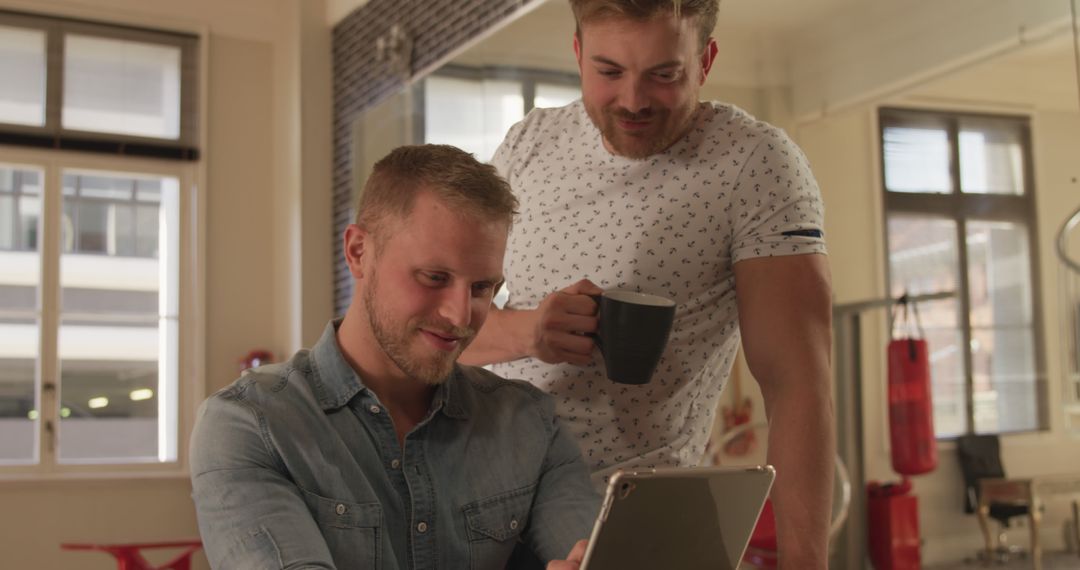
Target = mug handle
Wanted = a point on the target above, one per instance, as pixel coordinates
(596, 336)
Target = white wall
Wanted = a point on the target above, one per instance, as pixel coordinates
(267, 242)
(877, 49)
(844, 151)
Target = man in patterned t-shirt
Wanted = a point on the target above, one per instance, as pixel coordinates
(640, 186)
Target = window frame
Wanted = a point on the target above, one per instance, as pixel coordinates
(53, 135)
(528, 77)
(190, 319)
(962, 208)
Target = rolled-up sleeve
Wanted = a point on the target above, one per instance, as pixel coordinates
(250, 513)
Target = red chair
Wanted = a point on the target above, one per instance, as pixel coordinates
(129, 557)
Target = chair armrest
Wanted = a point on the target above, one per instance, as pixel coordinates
(1010, 491)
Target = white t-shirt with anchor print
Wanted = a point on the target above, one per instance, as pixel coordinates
(672, 224)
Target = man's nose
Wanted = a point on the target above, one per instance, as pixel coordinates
(632, 96)
(456, 306)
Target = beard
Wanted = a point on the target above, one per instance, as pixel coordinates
(396, 337)
(666, 126)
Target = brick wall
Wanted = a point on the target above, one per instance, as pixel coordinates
(361, 80)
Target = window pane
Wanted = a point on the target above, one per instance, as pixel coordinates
(19, 279)
(1006, 388)
(105, 187)
(471, 114)
(70, 180)
(917, 159)
(147, 227)
(108, 409)
(1006, 383)
(102, 214)
(18, 409)
(29, 215)
(118, 335)
(554, 95)
(923, 258)
(20, 209)
(22, 67)
(8, 220)
(93, 226)
(148, 190)
(31, 182)
(123, 87)
(122, 236)
(991, 157)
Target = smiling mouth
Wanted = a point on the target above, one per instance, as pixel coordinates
(629, 125)
(442, 341)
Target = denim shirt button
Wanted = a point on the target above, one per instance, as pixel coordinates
(375, 409)
(422, 527)
(513, 524)
(341, 509)
(395, 463)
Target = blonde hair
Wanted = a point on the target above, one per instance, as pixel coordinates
(704, 12)
(452, 175)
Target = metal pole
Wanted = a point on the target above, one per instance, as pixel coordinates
(847, 332)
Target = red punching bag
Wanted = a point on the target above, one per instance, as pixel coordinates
(911, 415)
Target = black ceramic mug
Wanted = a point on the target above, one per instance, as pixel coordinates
(632, 334)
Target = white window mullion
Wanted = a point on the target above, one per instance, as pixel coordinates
(49, 319)
(168, 317)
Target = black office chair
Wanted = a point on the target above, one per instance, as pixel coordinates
(980, 458)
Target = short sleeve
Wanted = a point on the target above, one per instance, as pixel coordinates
(776, 206)
(504, 155)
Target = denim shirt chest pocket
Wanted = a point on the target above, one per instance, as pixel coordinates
(493, 525)
(353, 531)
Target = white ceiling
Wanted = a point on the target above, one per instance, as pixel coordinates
(778, 15)
(1039, 75)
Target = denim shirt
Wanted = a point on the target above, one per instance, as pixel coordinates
(297, 465)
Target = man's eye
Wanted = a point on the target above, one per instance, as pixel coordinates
(434, 278)
(666, 77)
(610, 72)
(482, 289)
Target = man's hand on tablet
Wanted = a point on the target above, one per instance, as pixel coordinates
(573, 560)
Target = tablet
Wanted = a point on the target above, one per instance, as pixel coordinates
(686, 518)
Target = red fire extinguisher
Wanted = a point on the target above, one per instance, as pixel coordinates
(911, 416)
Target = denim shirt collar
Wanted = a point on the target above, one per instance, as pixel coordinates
(336, 383)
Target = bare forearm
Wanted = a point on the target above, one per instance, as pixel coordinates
(553, 332)
(503, 338)
(802, 448)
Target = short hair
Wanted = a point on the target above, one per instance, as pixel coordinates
(703, 11)
(455, 177)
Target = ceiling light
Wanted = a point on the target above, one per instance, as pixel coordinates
(98, 402)
(141, 394)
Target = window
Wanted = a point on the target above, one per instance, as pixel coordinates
(94, 87)
(472, 108)
(95, 250)
(22, 55)
(111, 339)
(960, 217)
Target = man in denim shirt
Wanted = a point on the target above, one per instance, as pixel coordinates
(375, 449)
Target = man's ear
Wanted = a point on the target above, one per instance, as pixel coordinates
(356, 244)
(708, 57)
(577, 50)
